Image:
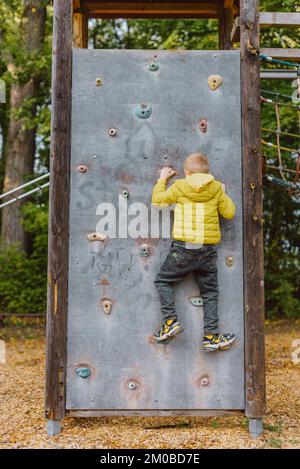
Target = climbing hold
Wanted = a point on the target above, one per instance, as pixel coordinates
(99, 82)
(214, 81)
(112, 132)
(144, 251)
(125, 194)
(203, 125)
(132, 385)
(96, 237)
(143, 111)
(229, 261)
(107, 305)
(83, 372)
(196, 301)
(153, 67)
(82, 168)
(204, 381)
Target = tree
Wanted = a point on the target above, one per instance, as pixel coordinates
(23, 50)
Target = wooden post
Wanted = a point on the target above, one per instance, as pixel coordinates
(252, 219)
(225, 27)
(80, 29)
(59, 211)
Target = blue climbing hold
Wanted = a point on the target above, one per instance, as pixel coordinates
(143, 111)
(83, 372)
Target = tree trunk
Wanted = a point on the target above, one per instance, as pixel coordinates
(20, 145)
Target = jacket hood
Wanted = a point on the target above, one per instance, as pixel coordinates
(199, 180)
(200, 187)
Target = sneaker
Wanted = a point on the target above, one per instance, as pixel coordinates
(218, 341)
(169, 329)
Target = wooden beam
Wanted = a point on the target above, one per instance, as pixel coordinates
(252, 212)
(232, 5)
(278, 74)
(57, 301)
(76, 5)
(266, 19)
(80, 29)
(153, 9)
(235, 30)
(280, 20)
(285, 54)
(225, 26)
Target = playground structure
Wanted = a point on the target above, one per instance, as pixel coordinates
(74, 384)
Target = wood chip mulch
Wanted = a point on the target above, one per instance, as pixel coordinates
(22, 423)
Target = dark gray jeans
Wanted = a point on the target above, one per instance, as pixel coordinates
(178, 264)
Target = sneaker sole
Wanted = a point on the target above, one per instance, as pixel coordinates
(224, 347)
(169, 336)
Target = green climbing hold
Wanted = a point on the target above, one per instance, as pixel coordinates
(83, 372)
(153, 67)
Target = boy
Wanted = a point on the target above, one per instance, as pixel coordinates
(196, 232)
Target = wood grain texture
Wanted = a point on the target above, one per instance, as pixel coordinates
(225, 26)
(59, 210)
(252, 194)
(285, 54)
(280, 20)
(152, 9)
(80, 29)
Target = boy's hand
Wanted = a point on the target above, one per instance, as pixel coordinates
(223, 187)
(166, 173)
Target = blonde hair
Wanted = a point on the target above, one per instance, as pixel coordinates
(196, 163)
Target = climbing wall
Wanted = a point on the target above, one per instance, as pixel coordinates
(132, 113)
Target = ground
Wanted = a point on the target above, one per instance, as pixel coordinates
(22, 423)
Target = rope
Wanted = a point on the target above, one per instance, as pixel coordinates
(274, 93)
(270, 166)
(280, 132)
(270, 144)
(280, 182)
(267, 58)
(280, 103)
(292, 186)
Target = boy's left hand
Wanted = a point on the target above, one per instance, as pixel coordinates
(166, 173)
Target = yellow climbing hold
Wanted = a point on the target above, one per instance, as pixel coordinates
(214, 81)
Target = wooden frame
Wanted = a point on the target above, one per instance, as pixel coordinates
(270, 20)
(59, 198)
(58, 245)
(151, 9)
(253, 212)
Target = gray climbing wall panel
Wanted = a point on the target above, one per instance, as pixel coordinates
(118, 365)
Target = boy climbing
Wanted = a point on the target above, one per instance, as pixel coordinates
(196, 233)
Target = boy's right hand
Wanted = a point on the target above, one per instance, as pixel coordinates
(166, 173)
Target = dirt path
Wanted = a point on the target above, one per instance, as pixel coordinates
(22, 423)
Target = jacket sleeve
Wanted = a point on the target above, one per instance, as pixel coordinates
(226, 207)
(163, 196)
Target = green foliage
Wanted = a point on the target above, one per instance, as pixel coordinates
(23, 278)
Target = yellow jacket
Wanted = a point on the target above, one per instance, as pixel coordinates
(199, 200)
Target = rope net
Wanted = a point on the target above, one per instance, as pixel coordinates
(281, 159)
